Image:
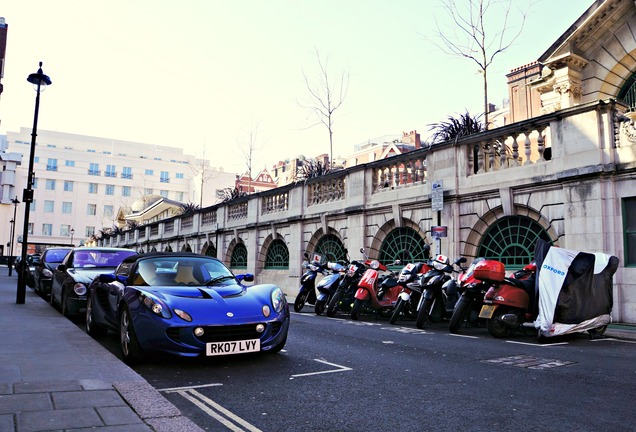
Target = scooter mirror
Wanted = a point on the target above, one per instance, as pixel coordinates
(306, 255)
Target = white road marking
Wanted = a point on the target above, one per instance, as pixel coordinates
(216, 411)
(464, 336)
(339, 369)
(538, 344)
(614, 340)
(175, 389)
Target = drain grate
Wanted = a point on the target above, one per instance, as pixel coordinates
(529, 362)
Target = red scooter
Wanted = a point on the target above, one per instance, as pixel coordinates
(509, 303)
(376, 292)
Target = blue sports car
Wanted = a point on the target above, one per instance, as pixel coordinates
(185, 304)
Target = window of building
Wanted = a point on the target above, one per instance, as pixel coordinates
(331, 248)
(126, 173)
(404, 244)
(65, 231)
(91, 209)
(148, 191)
(35, 183)
(239, 256)
(277, 256)
(108, 211)
(70, 163)
(629, 224)
(94, 169)
(125, 191)
(511, 240)
(47, 229)
(163, 193)
(32, 206)
(67, 207)
(89, 231)
(36, 159)
(180, 196)
(179, 175)
(51, 165)
(110, 171)
(92, 188)
(110, 190)
(30, 229)
(149, 172)
(50, 184)
(164, 177)
(49, 206)
(68, 186)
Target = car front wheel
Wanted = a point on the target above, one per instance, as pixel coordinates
(130, 349)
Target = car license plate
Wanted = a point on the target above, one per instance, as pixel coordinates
(234, 347)
(487, 311)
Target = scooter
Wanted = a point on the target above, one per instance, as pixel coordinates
(343, 298)
(509, 303)
(471, 299)
(409, 297)
(307, 291)
(374, 292)
(439, 291)
(328, 286)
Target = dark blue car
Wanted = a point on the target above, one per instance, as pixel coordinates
(187, 305)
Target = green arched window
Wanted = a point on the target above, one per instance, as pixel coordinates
(627, 93)
(211, 251)
(277, 256)
(511, 240)
(404, 244)
(331, 248)
(239, 256)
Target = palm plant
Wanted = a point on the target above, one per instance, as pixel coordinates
(455, 128)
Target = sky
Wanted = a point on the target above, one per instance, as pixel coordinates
(213, 76)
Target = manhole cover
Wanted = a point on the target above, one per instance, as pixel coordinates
(529, 362)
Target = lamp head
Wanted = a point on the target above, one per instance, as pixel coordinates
(38, 79)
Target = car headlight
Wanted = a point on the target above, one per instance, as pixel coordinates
(79, 289)
(155, 306)
(47, 273)
(278, 299)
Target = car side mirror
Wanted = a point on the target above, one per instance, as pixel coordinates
(61, 267)
(107, 277)
(248, 277)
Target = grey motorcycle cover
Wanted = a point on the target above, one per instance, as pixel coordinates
(574, 289)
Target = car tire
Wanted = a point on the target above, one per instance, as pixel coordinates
(92, 328)
(130, 349)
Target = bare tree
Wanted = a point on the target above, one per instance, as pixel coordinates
(249, 149)
(325, 97)
(479, 33)
(202, 168)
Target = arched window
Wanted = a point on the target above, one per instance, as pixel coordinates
(627, 93)
(211, 251)
(511, 240)
(331, 248)
(277, 256)
(404, 244)
(239, 256)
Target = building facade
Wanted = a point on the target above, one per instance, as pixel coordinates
(82, 183)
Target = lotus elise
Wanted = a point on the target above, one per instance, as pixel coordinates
(186, 305)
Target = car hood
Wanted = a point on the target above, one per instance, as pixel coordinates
(235, 301)
(86, 275)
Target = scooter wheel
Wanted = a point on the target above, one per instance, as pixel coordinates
(496, 327)
(460, 312)
(334, 303)
(356, 310)
(299, 303)
(397, 311)
(320, 307)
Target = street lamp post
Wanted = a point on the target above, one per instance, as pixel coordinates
(15, 202)
(72, 234)
(39, 80)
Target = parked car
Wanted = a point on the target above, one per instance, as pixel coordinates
(79, 267)
(32, 260)
(187, 305)
(44, 268)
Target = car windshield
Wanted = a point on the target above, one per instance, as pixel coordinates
(100, 258)
(186, 271)
(56, 255)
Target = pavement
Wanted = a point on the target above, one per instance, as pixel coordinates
(54, 377)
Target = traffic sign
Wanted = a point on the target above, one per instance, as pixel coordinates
(437, 195)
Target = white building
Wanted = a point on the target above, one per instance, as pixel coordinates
(81, 182)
